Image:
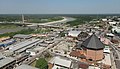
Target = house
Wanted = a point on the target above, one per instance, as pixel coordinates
(93, 48)
(4, 39)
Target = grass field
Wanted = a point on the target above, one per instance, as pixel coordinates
(8, 26)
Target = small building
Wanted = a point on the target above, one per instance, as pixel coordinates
(74, 34)
(93, 67)
(104, 20)
(116, 29)
(22, 36)
(7, 42)
(31, 52)
(112, 23)
(4, 39)
(24, 66)
(93, 48)
(60, 63)
(110, 35)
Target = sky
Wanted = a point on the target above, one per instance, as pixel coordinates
(59, 6)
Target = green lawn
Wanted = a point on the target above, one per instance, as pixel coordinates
(8, 26)
(37, 20)
(41, 63)
(26, 31)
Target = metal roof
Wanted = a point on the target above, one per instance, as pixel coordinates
(22, 44)
(24, 66)
(61, 62)
(93, 42)
(74, 33)
(23, 36)
(6, 61)
(1, 55)
(23, 49)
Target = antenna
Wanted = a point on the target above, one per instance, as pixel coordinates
(23, 19)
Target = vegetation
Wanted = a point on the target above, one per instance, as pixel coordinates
(84, 19)
(110, 28)
(41, 63)
(29, 18)
(62, 34)
(8, 26)
(39, 20)
(25, 31)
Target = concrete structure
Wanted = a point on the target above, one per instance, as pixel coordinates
(106, 61)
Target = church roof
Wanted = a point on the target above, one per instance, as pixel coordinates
(93, 42)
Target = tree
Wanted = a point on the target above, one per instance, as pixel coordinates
(41, 63)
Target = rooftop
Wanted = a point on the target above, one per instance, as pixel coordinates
(24, 66)
(6, 61)
(74, 33)
(61, 62)
(22, 44)
(22, 36)
(93, 42)
(1, 55)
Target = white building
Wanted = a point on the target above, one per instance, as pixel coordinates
(115, 28)
(74, 33)
(104, 20)
(60, 63)
(112, 23)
